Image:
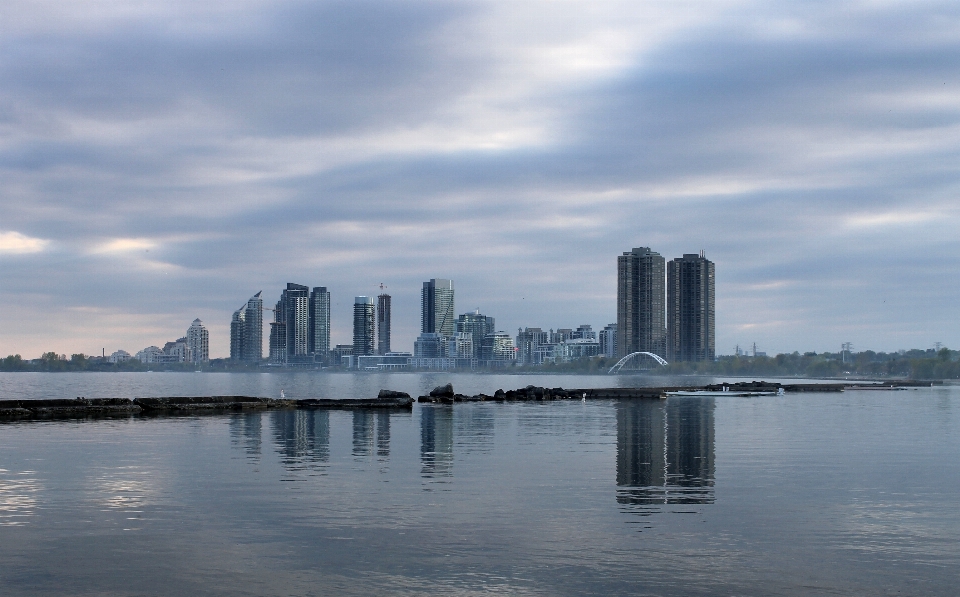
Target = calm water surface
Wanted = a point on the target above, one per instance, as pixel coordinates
(852, 494)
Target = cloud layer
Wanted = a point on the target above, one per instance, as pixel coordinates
(165, 161)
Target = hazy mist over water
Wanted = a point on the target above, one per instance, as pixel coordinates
(850, 493)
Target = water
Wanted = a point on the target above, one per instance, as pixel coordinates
(852, 493)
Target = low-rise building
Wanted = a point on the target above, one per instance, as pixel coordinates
(576, 349)
(497, 350)
(150, 355)
(460, 346)
(441, 364)
(430, 345)
(120, 356)
(391, 361)
(608, 340)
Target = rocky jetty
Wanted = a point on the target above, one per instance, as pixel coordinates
(446, 395)
(180, 405)
(20, 409)
(193, 404)
(386, 399)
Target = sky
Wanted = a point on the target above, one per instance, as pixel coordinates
(164, 161)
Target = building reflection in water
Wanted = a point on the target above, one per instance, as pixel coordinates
(436, 441)
(665, 451)
(371, 429)
(362, 432)
(474, 427)
(246, 431)
(383, 434)
(302, 436)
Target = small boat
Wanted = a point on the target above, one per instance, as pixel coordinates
(877, 387)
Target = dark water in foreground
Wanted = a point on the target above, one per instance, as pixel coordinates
(853, 494)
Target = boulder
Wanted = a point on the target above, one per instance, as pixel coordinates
(443, 391)
(391, 395)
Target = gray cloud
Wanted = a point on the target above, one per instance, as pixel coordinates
(176, 166)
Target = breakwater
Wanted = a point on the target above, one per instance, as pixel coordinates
(446, 395)
(94, 407)
(387, 399)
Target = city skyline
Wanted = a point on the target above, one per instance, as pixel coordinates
(809, 149)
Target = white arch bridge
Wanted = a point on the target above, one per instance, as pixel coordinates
(624, 360)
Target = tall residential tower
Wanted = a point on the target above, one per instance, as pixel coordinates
(478, 326)
(296, 302)
(383, 323)
(198, 342)
(364, 319)
(640, 302)
(691, 324)
(246, 331)
(436, 303)
(318, 335)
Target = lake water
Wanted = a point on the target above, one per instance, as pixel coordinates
(853, 493)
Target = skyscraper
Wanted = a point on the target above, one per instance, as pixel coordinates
(238, 324)
(640, 302)
(437, 310)
(383, 324)
(278, 335)
(364, 318)
(296, 303)
(246, 331)
(198, 342)
(478, 325)
(318, 335)
(691, 325)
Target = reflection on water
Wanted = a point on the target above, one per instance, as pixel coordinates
(474, 427)
(302, 436)
(366, 435)
(840, 493)
(665, 452)
(436, 441)
(362, 433)
(18, 502)
(122, 487)
(246, 431)
(383, 434)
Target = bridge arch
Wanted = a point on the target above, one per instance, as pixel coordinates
(624, 360)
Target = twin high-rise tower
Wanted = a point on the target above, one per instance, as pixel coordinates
(246, 331)
(666, 308)
(300, 330)
(691, 309)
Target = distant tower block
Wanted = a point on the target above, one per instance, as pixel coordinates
(383, 322)
(246, 331)
(437, 308)
(364, 321)
(318, 338)
(691, 308)
(640, 302)
(198, 342)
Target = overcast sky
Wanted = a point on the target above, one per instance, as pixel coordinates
(163, 161)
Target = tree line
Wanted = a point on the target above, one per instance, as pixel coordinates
(913, 364)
